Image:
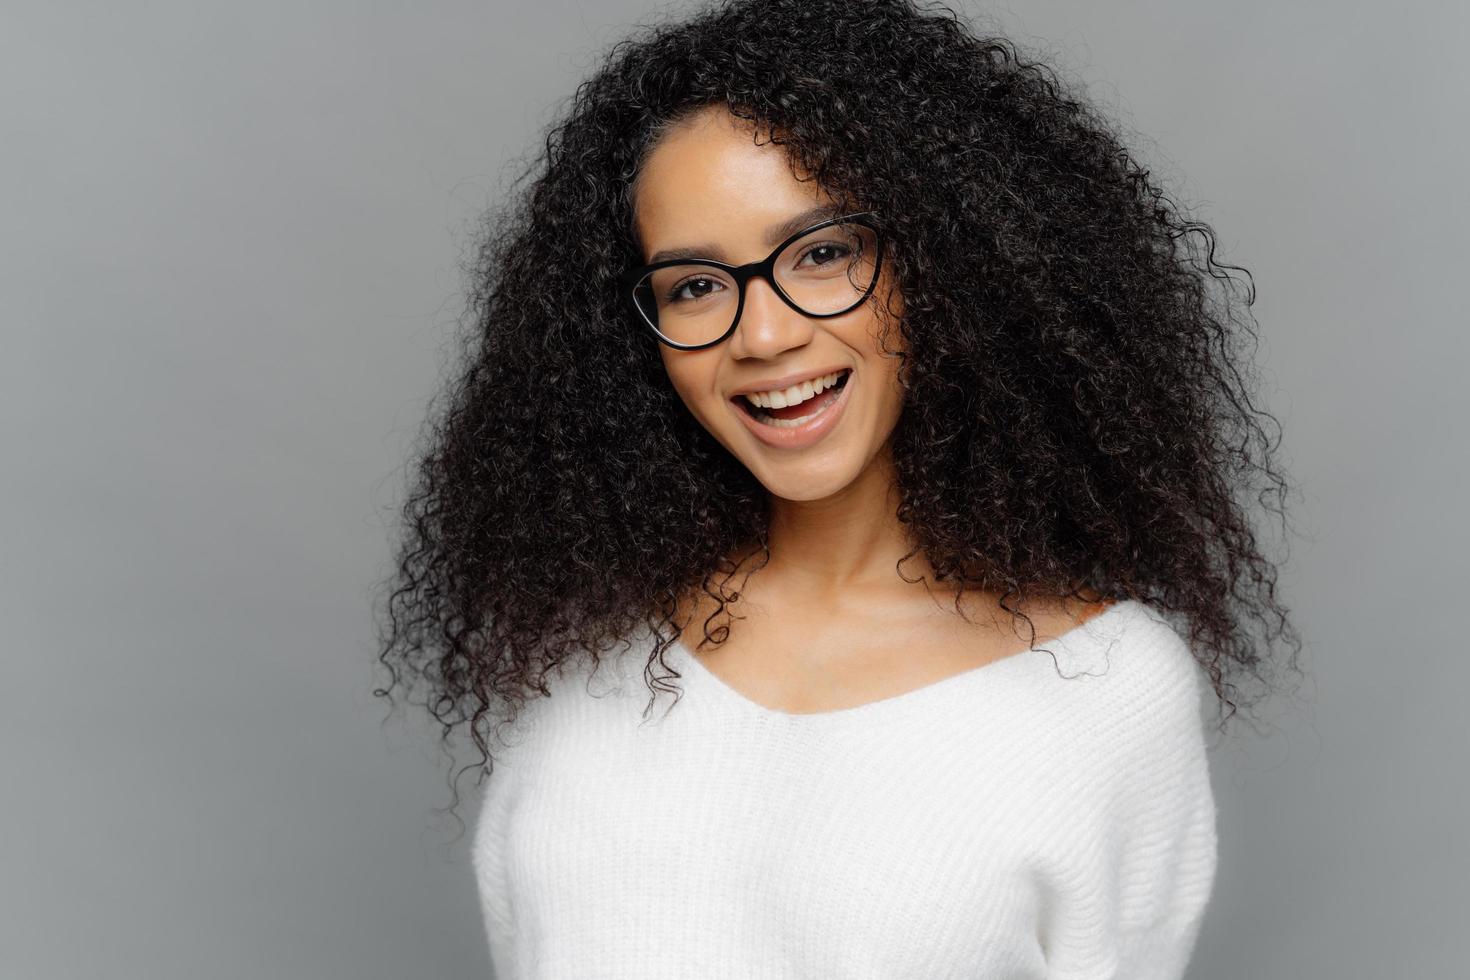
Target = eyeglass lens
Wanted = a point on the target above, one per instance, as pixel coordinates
(826, 271)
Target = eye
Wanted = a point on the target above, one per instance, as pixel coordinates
(824, 251)
(703, 285)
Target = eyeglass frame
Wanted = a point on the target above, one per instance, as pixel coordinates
(766, 269)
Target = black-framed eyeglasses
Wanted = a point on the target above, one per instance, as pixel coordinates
(824, 271)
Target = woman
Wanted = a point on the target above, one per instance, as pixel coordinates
(842, 368)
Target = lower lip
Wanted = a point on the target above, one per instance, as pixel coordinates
(797, 436)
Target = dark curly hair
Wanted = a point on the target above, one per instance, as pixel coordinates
(1075, 410)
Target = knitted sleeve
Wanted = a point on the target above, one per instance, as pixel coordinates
(1142, 876)
(1166, 869)
(490, 865)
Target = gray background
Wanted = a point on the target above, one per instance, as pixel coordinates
(229, 247)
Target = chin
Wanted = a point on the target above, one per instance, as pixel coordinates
(810, 481)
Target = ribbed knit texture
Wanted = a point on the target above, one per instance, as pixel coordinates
(1047, 815)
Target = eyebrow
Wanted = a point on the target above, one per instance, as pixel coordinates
(775, 234)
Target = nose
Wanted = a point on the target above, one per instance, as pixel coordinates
(767, 324)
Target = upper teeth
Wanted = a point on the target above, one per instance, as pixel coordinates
(794, 395)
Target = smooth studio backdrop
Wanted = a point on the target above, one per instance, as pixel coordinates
(230, 241)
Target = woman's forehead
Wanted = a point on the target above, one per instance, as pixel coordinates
(709, 180)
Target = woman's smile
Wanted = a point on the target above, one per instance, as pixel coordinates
(799, 425)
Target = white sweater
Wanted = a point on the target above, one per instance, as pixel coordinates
(1030, 818)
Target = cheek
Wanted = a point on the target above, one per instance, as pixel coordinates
(677, 373)
(693, 381)
(882, 357)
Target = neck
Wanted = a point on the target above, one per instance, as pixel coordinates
(849, 540)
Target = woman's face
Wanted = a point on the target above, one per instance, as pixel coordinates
(708, 186)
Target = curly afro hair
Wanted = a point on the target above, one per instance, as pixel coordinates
(1077, 413)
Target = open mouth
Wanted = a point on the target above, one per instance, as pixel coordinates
(800, 413)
